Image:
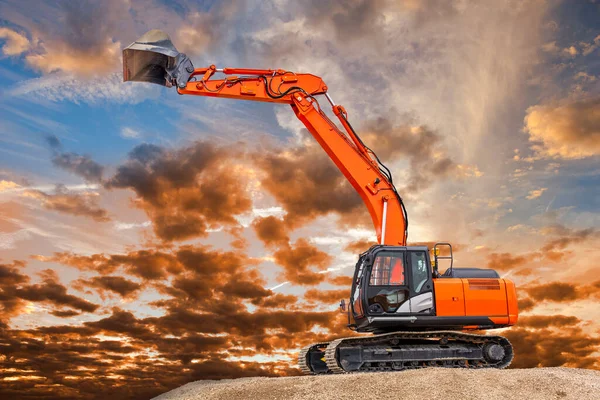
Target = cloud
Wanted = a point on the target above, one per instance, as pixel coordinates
(16, 43)
(116, 284)
(568, 236)
(326, 296)
(271, 230)
(83, 43)
(359, 246)
(77, 164)
(186, 191)
(130, 133)
(85, 38)
(536, 193)
(15, 292)
(526, 304)
(8, 185)
(423, 149)
(10, 277)
(562, 291)
(350, 20)
(80, 165)
(340, 280)
(506, 261)
(79, 204)
(545, 321)
(60, 87)
(589, 48)
(299, 177)
(65, 313)
(297, 260)
(569, 347)
(567, 130)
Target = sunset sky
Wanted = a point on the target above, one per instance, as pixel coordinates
(149, 239)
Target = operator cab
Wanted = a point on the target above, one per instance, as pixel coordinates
(393, 289)
(392, 282)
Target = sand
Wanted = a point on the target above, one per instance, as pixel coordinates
(426, 384)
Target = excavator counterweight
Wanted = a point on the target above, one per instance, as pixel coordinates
(416, 315)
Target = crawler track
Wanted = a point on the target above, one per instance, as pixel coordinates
(311, 359)
(408, 350)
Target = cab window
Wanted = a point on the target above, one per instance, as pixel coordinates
(388, 270)
(420, 275)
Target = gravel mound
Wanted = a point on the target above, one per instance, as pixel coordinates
(426, 384)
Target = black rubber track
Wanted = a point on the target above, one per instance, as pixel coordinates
(396, 339)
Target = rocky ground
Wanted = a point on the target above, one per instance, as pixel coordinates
(426, 384)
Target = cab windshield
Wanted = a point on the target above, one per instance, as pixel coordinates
(388, 270)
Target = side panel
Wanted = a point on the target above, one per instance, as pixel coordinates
(486, 297)
(449, 297)
(513, 308)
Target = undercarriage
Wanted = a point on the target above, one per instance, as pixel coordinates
(399, 351)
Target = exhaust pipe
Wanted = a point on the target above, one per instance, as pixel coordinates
(153, 58)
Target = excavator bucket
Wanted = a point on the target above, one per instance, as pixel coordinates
(153, 58)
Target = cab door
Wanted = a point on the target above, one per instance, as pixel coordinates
(358, 290)
(387, 290)
(421, 283)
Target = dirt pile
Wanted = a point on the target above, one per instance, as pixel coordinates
(426, 384)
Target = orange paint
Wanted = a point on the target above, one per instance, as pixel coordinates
(449, 297)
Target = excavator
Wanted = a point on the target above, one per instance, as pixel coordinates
(417, 316)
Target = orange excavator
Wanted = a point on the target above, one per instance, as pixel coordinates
(418, 316)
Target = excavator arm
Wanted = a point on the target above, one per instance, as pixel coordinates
(148, 61)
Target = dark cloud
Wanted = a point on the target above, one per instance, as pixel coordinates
(340, 280)
(562, 291)
(553, 291)
(15, 292)
(506, 261)
(526, 304)
(359, 246)
(297, 261)
(64, 313)
(350, 19)
(53, 142)
(421, 146)
(115, 284)
(146, 264)
(278, 300)
(50, 291)
(271, 230)
(80, 44)
(77, 164)
(567, 237)
(64, 201)
(546, 321)
(327, 296)
(543, 347)
(185, 191)
(80, 165)
(10, 278)
(307, 184)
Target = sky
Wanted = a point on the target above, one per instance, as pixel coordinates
(148, 239)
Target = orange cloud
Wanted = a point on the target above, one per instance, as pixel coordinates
(568, 130)
(185, 191)
(16, 43)
(63, 201)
